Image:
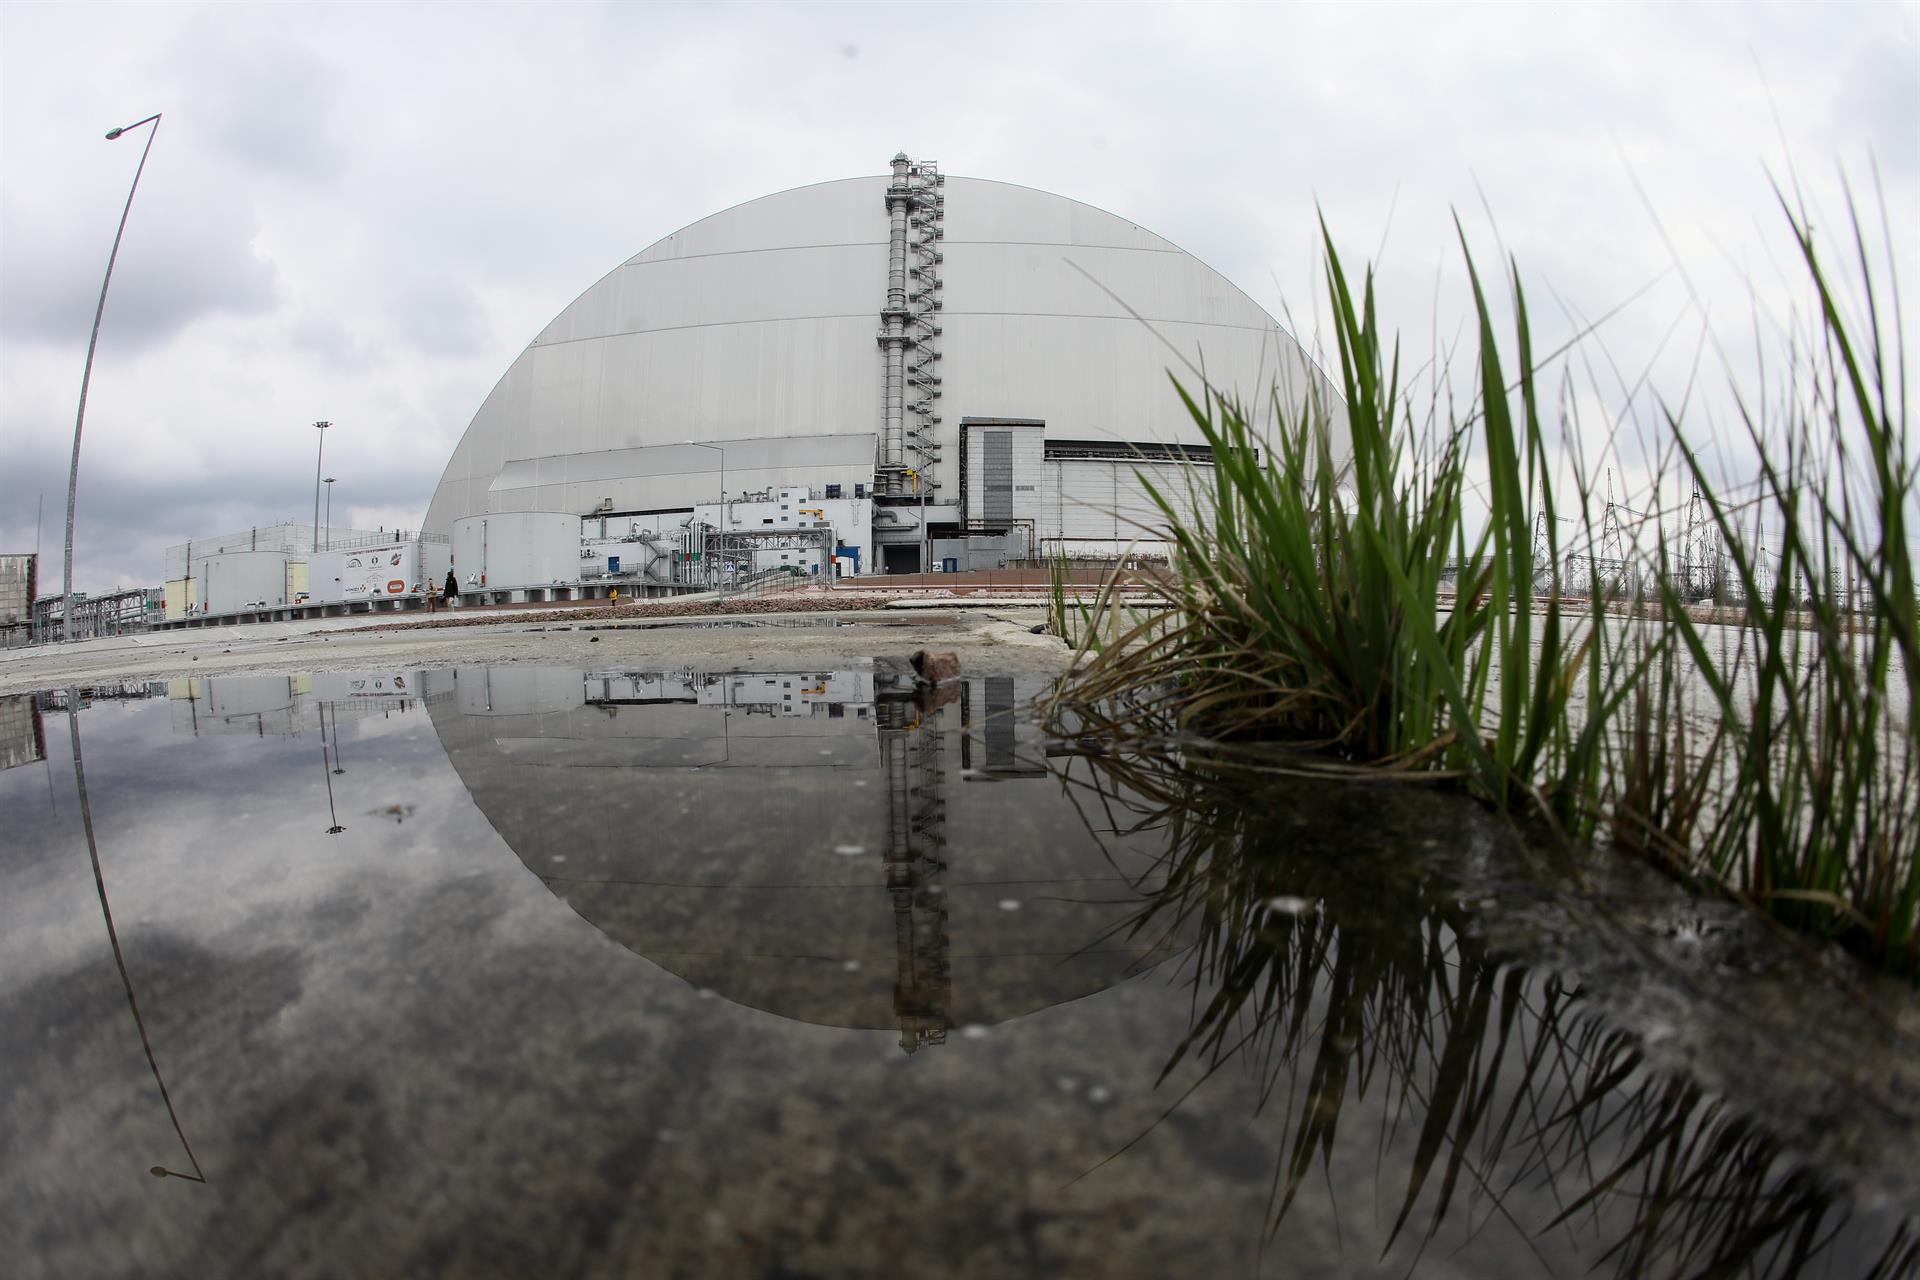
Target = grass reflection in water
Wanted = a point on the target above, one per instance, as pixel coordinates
(1348, 979)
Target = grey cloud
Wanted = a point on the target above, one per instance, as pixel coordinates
(267, 103)
(181, 258)
(440, 317)
(126, 519)
(328, 338)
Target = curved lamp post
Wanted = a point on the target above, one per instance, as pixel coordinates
(86, 374)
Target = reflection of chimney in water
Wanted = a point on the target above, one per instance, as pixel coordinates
(910, 752)
(999, 727)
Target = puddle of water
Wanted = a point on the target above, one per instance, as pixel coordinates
(536, 971)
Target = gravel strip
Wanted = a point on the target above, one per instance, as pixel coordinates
(839, 603)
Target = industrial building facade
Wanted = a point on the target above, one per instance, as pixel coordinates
(962, 368)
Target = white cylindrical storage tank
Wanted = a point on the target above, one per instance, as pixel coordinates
(237, 580)
(511, 550)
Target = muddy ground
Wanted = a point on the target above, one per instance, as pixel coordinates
(1001, 638)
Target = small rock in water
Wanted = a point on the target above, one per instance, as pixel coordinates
(936, 668)
(1286, 905)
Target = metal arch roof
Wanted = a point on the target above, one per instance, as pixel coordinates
(758, 322)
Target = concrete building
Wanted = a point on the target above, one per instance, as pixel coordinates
(23, 737)
(19, 588)
(984, 365)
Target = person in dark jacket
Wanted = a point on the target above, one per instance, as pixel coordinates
(453, 588)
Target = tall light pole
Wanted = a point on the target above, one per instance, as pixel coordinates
(329, 483)
(722, 577)
(318, 454)
(86, 373)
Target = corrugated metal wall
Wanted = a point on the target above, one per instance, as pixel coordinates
(996, 475)
(1106, 501)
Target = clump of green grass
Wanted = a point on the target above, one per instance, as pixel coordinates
(1308, 601)
(1818, 817)
(1308, 606)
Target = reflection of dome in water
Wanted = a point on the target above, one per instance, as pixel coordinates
(800, 844)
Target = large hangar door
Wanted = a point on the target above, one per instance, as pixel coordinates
(1105, 500)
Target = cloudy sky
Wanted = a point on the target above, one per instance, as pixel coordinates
(363, 212)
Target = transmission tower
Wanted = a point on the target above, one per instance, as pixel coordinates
(1610, 569)
(1701, 551)
(1541, 557)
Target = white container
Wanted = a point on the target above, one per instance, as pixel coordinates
(365, 574)
(513, 550)
(237, 581)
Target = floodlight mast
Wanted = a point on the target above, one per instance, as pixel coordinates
(318, 455)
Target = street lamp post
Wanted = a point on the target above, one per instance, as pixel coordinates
(329, 483)
(318, 455)
(86, 373)
(722, 575)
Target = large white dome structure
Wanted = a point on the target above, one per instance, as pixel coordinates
(960, 356)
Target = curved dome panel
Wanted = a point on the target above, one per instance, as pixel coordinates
(760, 323)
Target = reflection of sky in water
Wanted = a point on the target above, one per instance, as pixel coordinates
(395, 1051)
